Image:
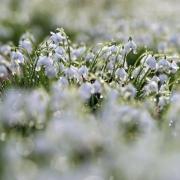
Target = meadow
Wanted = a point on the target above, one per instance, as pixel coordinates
(89, 90)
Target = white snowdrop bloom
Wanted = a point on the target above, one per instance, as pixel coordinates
(151, 62)
(44, 61)
(121, 74)
(57, 37)
(3, 72)
(97, 88)
(130, 46)
(173, 67)
(89, 57)
(113, 48)
(71, 72)
(163, 78)
(85, 90)
(5, 49)
(26, 44)
(17, 57)
(163, 65)
(60, 52)
(83, 71)
(151, 87)
(76, 53)
(50, 71)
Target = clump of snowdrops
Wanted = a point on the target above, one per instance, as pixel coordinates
(74, 111)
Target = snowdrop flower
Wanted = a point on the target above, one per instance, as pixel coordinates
(130, 46)
(163, 65)
(51, 71)
(44, 61)
(26, 44)
(3, 72)
(97, 87)
(89, 57)
(173, 67)
(71, 72)
(121, 74)
(5, 49)
(60, 52)
(83, 71)
(113, 48)
(151, 62)
(86, 90)
(151, 87)
(57, 37)
(17, 57)
(163, 78)
(76, 53)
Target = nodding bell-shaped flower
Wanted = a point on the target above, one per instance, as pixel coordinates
(130, 46)
(5, 49)
(173, 67)
(151, 87)
(44, 61)
(83, 71)
(89, 57)
(71, 72)
(121, 74)
(50, 71)
(57, 37)
(97, 87)
(26, 44)
(151, 62)
(163, 65)
(60, 52)
(17, 56)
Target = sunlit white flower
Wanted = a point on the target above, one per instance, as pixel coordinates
(26, 44)
(71, 72)
(163, 65)
(151, 87)
(97, 88)
(60, 52)
(83, 71)
(151, 62)
(5, 49)
(17, 57)
(173, 67)
(50, 71)
(89, 57)
(57, 37)
(130, 46)
(44, 61)
(121, 74)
